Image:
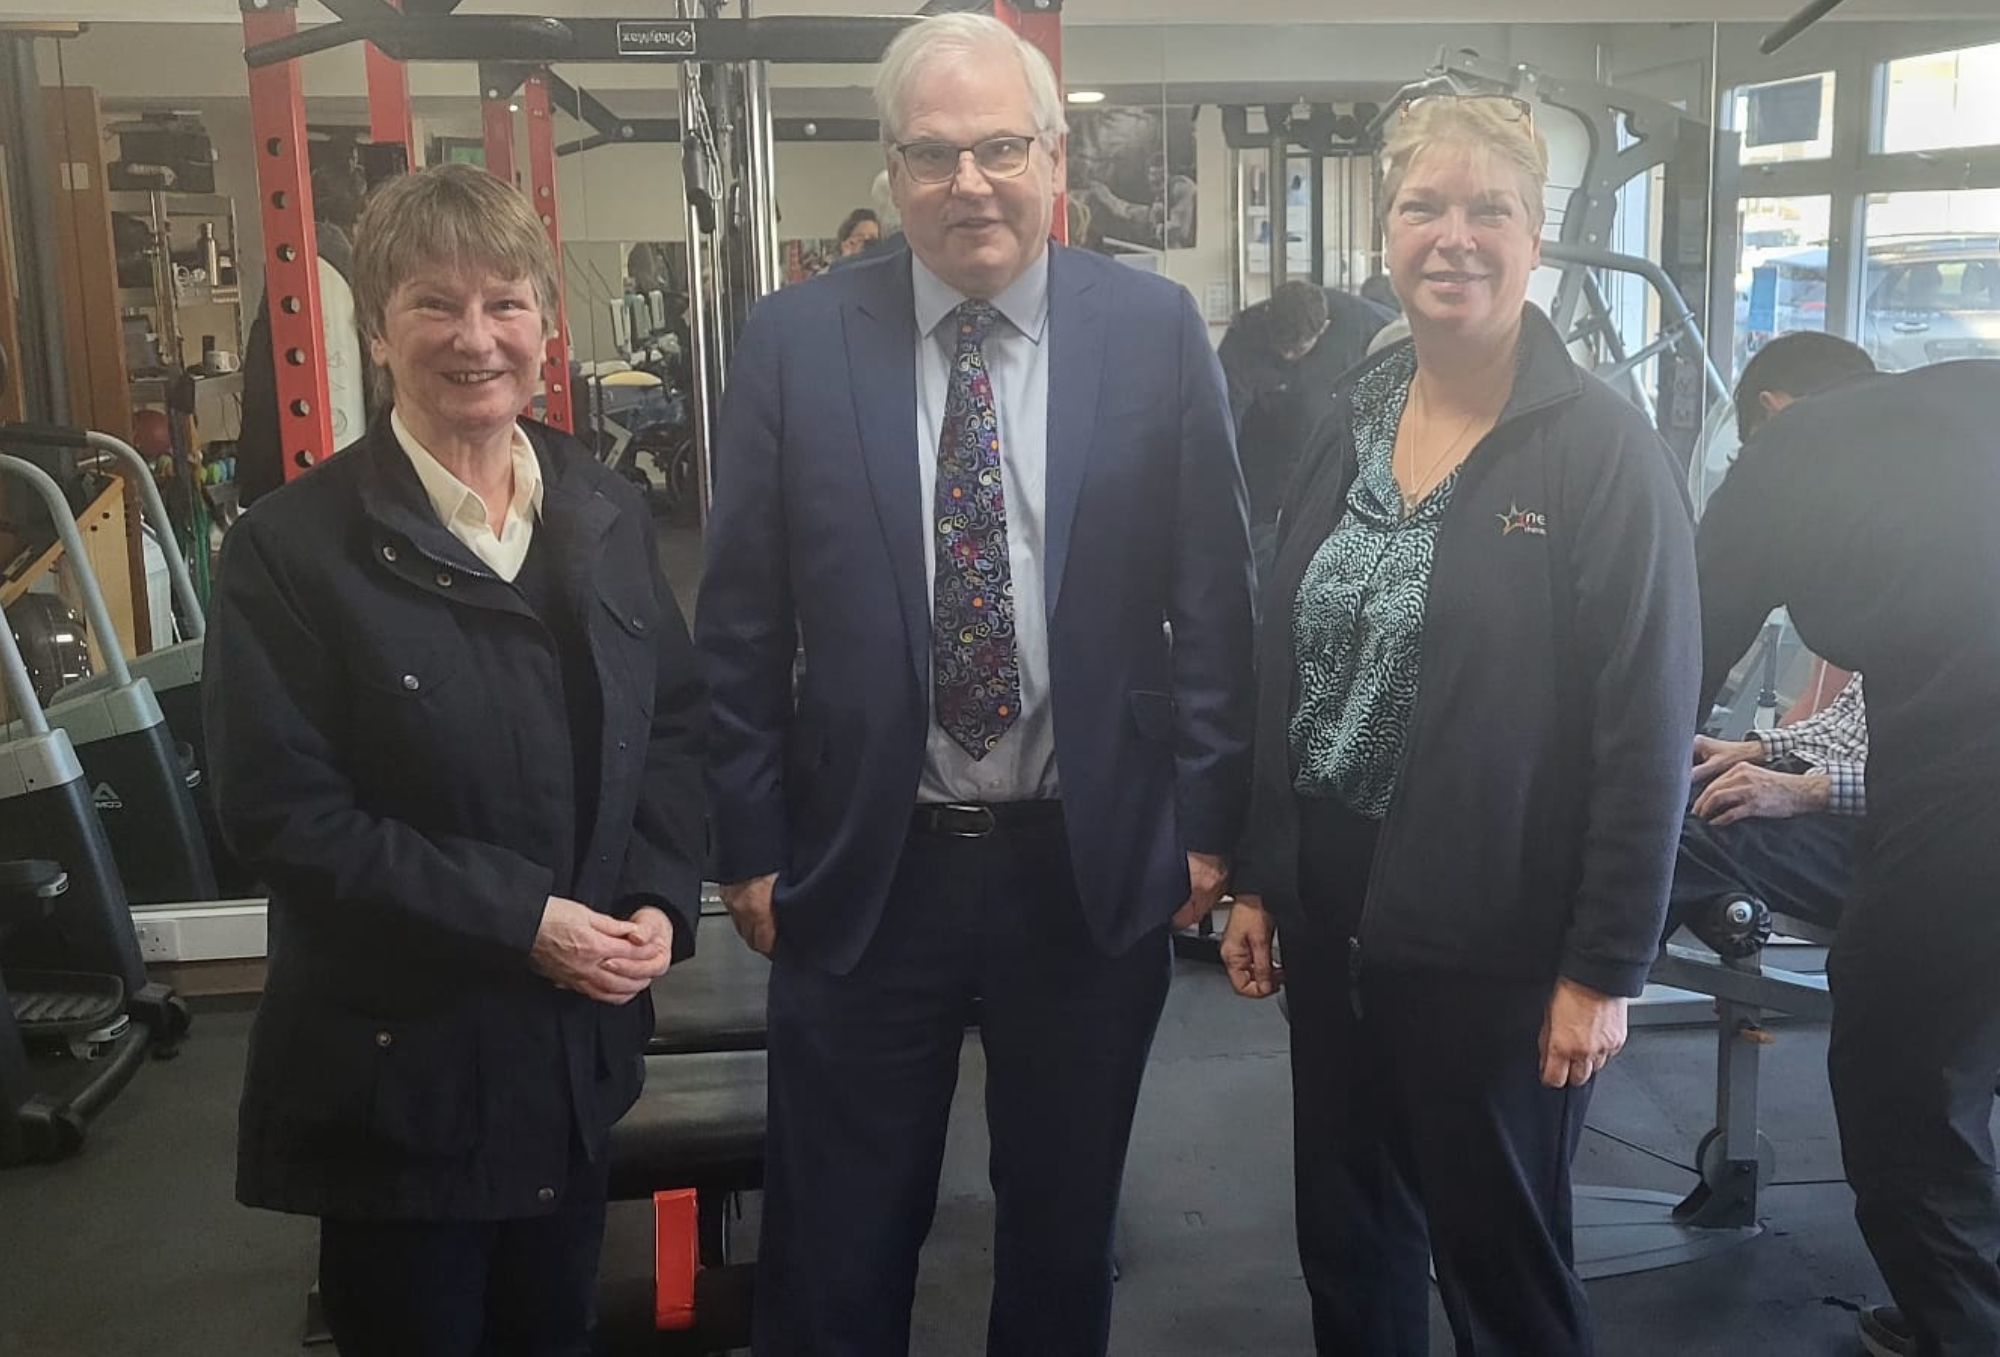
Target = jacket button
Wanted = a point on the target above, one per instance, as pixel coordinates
(639, 624)
(444, 579)
(385, 1039)
(389, 554)
(622, 744)
(545, 1194)
(412, 682)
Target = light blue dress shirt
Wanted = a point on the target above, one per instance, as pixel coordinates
(1023, 766)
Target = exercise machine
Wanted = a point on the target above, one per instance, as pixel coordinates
(138, 779)
(79, 1014)
(173, 666)
(1626, 1230)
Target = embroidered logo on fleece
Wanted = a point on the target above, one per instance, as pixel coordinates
(1517, 519)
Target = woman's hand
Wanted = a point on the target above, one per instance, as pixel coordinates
(576, 947)
(1246, 950)
(1581, 1033)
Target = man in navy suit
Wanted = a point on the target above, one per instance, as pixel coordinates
(990, 484)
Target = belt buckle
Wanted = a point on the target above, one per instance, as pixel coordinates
(984, 814)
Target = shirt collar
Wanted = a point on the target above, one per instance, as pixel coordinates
(1025, 302)
(454, 500)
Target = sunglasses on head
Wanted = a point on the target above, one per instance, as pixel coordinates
(1514, 108)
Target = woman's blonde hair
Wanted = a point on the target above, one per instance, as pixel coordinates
(1495, 125)
(453, 216)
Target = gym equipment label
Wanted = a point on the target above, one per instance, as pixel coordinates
(655, 38)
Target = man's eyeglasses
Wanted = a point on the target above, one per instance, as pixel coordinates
(935, 162)
(1511, 107)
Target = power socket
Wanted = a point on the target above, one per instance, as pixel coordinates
(159, 939)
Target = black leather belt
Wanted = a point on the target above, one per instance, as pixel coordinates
(966, 820)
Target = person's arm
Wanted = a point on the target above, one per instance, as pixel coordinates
(1210, 606)
(669, 844)
(1637, 638)
(273, 707)
(745, 628)
(1838, 732)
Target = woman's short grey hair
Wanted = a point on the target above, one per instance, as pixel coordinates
(956, 37)
(456, 217)
(1491, 126)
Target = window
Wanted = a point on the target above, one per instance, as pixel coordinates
(1785, 120)
(1780, 270)
(1931, 285)
(1943, 100)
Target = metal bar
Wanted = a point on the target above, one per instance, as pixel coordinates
(85, 579)
(1797, 24)
(587, 107)
(389, 119)
(653, 131)
(556, 411)
(815, 39)
(291, 249)
(1676, 315)
(472, 37)
(1316, 196)
(700, 342)
(19, 690)
(154, 510)
(46, 397)
(1279, 204)
(496, 121)
(760, 178)
(1781, 991)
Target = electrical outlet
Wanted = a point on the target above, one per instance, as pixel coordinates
(159, 939)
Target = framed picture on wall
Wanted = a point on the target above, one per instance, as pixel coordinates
(1132, 177)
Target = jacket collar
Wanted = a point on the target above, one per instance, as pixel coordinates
(575, 510)
(1545, 376)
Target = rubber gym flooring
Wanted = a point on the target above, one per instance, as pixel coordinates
(138, 1247)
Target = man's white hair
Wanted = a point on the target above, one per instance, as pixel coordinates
(949, 37)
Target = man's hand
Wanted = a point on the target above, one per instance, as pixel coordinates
(1208, 877)
(1747, 792)
(1246, 950)
(650, 927)
(1712, 757)
(749, 904)
(1581, 1033)
(576, 948)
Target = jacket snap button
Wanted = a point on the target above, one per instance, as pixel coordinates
(622, 744)
(444, 579)
(546, 1194)
(412, 682)
(638, 624)
(385, 1039)
(389, 554)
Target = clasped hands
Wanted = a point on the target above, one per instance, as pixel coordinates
(600, 956)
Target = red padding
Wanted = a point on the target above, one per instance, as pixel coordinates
(676, 1258)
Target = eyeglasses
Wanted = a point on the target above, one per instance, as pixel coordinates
(935, 162)
(1511, 107)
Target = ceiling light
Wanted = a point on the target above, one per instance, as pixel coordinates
(1086, 96)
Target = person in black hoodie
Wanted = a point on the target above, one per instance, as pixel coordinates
(1478, 662)
(1887, 558)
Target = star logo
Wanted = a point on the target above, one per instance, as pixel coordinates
(1517, 519)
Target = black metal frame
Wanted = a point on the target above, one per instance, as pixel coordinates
(820, 40)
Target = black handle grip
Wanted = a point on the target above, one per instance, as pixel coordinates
(43, 435)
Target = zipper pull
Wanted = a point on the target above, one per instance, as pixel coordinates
(1354, 975)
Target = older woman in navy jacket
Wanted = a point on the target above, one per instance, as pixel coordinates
(454, 713)
(1478, 664)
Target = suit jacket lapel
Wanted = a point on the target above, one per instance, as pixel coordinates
(881, 332)
(1076, 369)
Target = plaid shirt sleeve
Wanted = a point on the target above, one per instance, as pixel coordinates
(1834, 742)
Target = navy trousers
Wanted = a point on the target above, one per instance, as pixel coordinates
(505, 1288)
(1914, 1056)
(862, 1071)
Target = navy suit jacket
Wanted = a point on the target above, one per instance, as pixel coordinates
(816, 537)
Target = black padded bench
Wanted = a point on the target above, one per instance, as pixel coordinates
(699, 1124)
(713, 1001)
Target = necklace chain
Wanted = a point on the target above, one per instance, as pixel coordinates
(1421, 483)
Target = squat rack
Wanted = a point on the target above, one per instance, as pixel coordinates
(514, 53)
